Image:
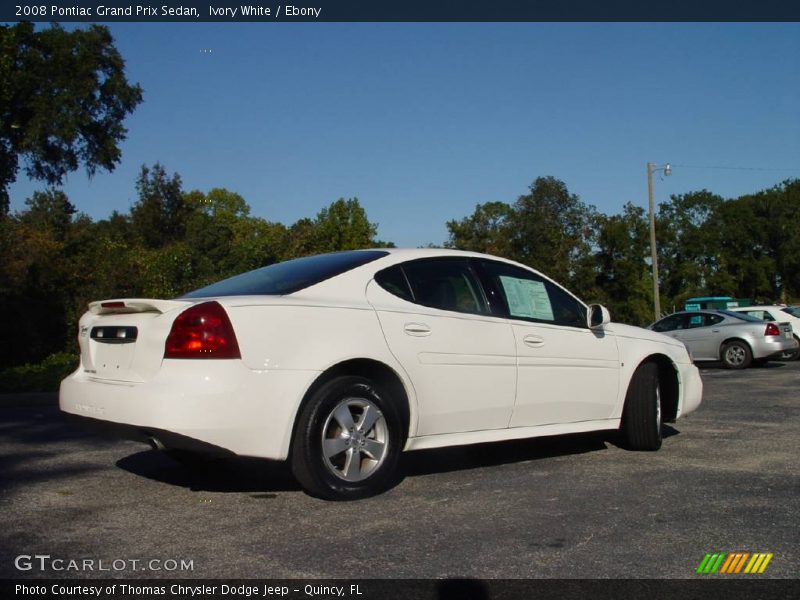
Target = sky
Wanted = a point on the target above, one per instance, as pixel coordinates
(422, 122)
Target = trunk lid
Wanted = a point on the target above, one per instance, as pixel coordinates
(122, 340)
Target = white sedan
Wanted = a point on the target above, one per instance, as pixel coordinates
(339, 362)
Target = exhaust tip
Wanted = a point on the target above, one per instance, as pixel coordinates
(156, 444)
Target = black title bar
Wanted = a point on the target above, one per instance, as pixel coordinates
(399, 10)
(710, 588)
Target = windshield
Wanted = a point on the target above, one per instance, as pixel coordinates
(792, 310)
(288, 277)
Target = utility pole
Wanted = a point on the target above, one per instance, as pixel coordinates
(651, 168)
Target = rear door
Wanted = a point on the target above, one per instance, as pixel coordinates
(460, 358)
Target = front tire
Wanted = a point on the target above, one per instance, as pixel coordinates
(347, 441)
(736, 355)
(642, 419)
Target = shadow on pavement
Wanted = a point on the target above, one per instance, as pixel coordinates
(235, 475)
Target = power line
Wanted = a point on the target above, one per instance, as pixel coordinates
(733, 168)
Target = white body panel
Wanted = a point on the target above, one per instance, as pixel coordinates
(462, 366)
(468, 378)
(565, 375)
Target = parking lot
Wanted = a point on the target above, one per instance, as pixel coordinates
(725, 480)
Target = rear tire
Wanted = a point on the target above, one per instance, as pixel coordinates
(736, 355)
(642, 418)
(347, 441)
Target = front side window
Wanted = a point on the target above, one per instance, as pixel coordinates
(670, 323)
(530, 297)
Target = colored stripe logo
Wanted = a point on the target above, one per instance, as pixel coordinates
(734, 563)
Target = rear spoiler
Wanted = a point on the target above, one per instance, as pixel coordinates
(134, 305)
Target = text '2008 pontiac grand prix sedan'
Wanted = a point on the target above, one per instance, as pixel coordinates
(339, 362)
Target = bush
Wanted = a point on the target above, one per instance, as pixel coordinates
(45, 376)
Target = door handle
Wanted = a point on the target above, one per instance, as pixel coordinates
(534, 341)
(715, 331)
(417, 329)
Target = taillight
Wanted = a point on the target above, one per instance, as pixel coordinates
(772, 329)
(202, 331)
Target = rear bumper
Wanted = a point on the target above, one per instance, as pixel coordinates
(215, 406)
(773, 347)
(153, 436)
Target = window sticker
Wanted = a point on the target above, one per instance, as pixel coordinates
(527, 298)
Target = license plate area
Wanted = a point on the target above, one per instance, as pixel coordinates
(114, 334)
(112, 350)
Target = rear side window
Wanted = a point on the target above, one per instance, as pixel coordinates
(703, 320)
(394, 281)
(288, 277)
(444, 283)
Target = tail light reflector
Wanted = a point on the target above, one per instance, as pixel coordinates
(202, 331)
(772, 329)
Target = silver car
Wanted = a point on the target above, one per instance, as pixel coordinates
(737, 339)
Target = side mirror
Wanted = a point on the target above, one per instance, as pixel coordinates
(598, 316)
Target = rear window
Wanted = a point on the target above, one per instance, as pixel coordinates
(741, 316)
(288, 277)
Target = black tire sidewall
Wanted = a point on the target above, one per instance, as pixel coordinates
(642, 428)
(306, 455)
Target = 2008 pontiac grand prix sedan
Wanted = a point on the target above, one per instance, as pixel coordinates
(339, 362)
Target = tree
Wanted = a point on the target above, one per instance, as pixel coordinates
(778, 211)
(554, 232)
(35, 282)
(486, 230)
(51, 211)
(343, 225)
(63, 99)
(224, 239)
(622, 271)
(691, 262)
(548, 229)
(160, 214)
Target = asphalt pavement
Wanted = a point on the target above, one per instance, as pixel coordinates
(725, 480)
